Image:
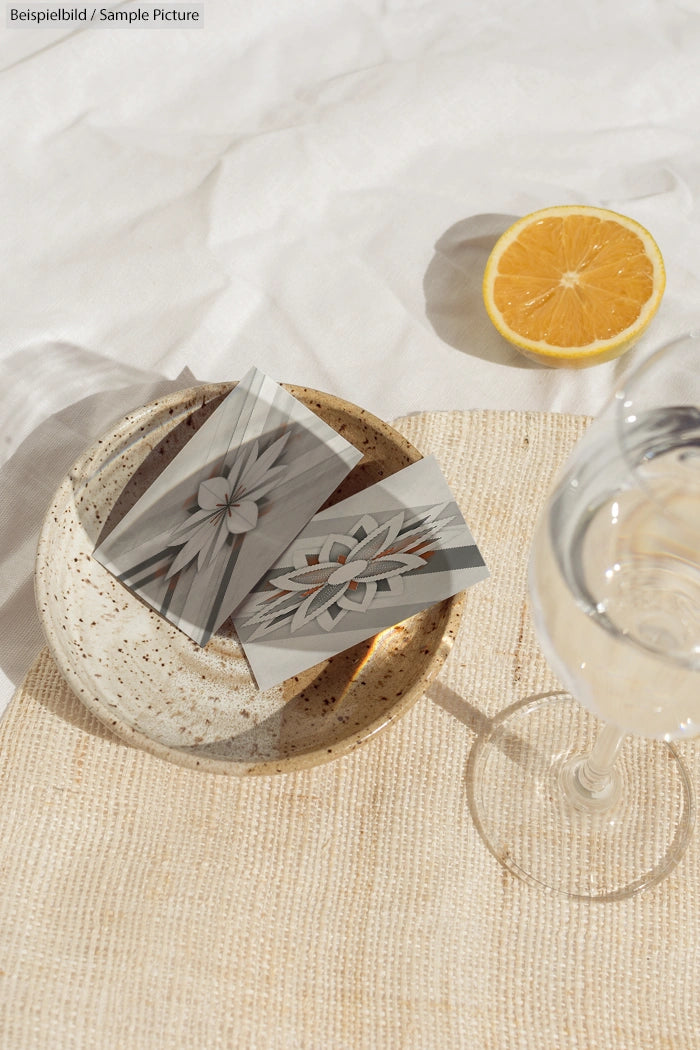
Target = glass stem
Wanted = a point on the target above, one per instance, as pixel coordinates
(590, 781)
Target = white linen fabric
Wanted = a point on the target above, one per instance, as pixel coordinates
(312, 187)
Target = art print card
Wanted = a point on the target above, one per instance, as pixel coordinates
(227, 506)
(358, 568)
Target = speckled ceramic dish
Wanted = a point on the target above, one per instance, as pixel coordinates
(159, 690)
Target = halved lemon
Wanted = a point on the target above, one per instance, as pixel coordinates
(573, 285)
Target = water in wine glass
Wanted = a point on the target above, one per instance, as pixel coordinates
(616, 576)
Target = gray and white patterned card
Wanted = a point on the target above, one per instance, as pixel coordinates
(357, 568)
(227, 506)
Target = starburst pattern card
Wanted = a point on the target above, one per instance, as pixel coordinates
(358, 568)
(225, 508)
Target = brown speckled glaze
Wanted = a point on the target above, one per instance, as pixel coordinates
(155, 687)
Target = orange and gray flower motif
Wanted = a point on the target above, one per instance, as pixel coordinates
(228, 505)
(346, 572)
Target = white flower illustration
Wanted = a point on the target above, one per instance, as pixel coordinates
(345, 572)
(228, 505)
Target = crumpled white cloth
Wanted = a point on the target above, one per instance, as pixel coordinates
(312, 187)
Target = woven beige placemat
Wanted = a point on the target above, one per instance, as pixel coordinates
(353, 906)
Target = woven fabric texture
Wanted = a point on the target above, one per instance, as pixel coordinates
(351, 906)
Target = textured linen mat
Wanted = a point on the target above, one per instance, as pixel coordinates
(351, 906)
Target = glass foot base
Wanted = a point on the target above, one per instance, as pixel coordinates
(518, 799)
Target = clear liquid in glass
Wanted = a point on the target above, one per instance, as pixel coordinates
(615, 577)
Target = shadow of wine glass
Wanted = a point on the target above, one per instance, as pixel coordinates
(513, 747)
(30, 476)
(489, 730)
(452, 288)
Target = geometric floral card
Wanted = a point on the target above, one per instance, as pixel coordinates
(359, 567)
(225, 508)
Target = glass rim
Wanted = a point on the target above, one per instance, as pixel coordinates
(625, 418)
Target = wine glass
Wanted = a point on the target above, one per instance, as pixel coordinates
(585, 792)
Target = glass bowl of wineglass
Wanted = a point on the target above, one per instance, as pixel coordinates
(585, 792)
